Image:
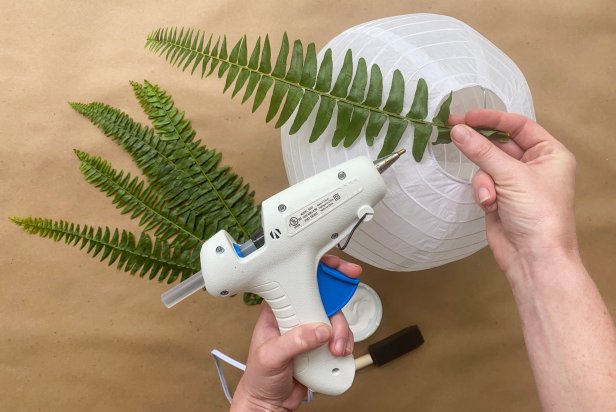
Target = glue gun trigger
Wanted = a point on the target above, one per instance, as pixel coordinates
(335, 288)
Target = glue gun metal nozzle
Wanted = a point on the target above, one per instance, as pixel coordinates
(384, 162)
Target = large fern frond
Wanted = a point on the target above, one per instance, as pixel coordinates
(189, 196)
(130, 196)
(156, 259)
(357, 96)
(187, 174)
(226, 188)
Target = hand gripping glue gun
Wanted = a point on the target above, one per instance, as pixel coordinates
(279, 263)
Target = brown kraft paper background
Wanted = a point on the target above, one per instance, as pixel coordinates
(76, 335)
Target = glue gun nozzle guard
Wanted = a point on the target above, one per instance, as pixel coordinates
(384, 162)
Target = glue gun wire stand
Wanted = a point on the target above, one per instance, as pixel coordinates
(197, 282)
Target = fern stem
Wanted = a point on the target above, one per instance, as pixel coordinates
(222, 200)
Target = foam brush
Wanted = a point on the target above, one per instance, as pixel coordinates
(391, 348)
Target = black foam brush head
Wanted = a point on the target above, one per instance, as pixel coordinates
(396, 345)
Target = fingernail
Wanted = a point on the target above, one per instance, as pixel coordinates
(483, 194)
(340, 346)
(460, 133)
(322, 333)
(349, 350)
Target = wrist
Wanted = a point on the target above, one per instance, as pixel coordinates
(532, 267)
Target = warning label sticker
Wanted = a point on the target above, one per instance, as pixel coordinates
(315, 210)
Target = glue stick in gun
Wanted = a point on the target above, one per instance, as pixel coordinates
(281, 261)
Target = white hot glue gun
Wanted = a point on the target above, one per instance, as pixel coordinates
(280, 262)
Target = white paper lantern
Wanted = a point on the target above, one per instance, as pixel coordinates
(428, 217)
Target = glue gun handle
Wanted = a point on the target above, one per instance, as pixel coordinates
(295, 300)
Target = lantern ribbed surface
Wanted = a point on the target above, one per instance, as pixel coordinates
(428, 217)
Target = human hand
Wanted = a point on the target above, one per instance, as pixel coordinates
(525, 186)
(268, 382)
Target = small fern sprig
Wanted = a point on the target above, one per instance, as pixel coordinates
(156, 259)
(357, 96)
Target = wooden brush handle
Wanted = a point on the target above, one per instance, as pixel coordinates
(363, 361)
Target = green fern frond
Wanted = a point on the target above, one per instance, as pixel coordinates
(227, 189)
(156, 259)
(357, 96)
(189, 197)
(130, 196)
(186, 174)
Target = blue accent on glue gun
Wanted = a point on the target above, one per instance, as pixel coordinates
(335, 287)
(237, 250)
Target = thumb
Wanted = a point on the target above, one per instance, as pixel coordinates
(282, 349)
(482, 152)
(484, 191)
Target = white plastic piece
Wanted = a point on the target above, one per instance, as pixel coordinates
(365, 211)
(363, 312)
(298, 226)
(429, 217)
